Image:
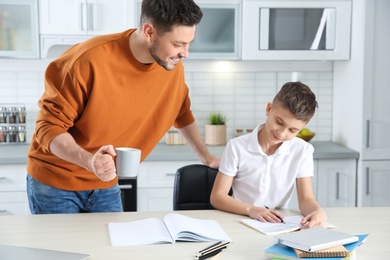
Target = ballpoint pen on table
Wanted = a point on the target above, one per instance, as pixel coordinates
(276, 216)
(212, 250)
(210, 247)
(212, 253)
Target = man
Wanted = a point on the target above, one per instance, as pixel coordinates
(124, 89)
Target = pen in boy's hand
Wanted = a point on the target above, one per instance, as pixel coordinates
(276, 216)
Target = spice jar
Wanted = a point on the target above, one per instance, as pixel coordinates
(21, 134)
(12, 134)
(3, 115)
(3, 134)
(22, 115)
(12, 115)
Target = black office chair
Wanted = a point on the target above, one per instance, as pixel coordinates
(192, 187)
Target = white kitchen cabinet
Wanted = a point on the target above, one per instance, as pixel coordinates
(155, 184)
(218, 34)
(13, 194)
(19, 29)
(376, 143)
(375, 184)
(363, 123)
(66, 22)
(336, 182)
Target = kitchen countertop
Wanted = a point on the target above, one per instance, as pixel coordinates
(15, 154)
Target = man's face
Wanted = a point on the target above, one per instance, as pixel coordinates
(169, 48)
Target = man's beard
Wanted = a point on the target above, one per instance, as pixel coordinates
(159, 61)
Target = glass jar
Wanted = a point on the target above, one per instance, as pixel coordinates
(22, 115)
(12, 115)
(3, 134)
(3, 115)
(12, 134)
(21, 134)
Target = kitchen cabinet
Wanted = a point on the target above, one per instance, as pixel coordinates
(364, 121)
(218, 34)
(66, 22)
(19, 29)
(334, 183)
(375, 171)
(376, 144)
(155, 184)
(13, 195)
(375, 183)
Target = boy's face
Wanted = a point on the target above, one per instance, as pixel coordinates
(281, 125)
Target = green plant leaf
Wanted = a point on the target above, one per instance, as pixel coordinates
(217, 119)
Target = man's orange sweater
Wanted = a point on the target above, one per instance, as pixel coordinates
(100, 94)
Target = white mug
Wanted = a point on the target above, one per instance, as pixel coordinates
(127, 161)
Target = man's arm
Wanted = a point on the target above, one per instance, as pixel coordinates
(192, 136)
(101, 163)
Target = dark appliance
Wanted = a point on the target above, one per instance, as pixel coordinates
(128, 188)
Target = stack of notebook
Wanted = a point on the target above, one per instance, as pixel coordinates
(315, 243)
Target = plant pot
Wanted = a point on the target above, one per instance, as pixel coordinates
(215, 134)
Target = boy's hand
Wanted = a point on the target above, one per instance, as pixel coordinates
(265, 215)
(314, 219)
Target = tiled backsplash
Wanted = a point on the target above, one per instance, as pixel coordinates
(238, 89)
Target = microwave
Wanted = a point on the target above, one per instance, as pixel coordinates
(296, 30)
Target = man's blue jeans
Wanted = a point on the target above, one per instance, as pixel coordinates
(44, 199)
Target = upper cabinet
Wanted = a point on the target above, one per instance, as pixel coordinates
(296, 30)
(218, 34)
(19, 29)
(66, 22)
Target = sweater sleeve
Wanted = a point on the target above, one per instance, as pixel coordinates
(185, 116)
(61, 104)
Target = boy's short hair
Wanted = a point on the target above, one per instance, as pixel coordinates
(164, 14)
(298, 99)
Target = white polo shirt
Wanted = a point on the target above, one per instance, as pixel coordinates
(263, 180)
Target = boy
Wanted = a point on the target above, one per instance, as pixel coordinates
(263, 166)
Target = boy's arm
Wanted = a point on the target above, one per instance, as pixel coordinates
(221, 200)
(310, 208)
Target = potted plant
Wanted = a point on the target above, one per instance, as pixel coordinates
(215, 131)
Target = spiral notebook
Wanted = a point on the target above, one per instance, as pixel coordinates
(337, 251)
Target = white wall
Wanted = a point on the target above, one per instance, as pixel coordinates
(239, 89)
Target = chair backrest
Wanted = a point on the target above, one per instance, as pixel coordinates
(192, 187)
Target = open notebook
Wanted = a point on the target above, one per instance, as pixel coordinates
(292, 223)
(8, 252)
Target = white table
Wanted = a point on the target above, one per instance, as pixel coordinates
(88, 233)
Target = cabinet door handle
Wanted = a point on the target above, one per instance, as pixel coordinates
(90, 17)
(170, 174)
(2, 178)
(126, 187)
(367, 181)
(3, 212)
(337, 185)
(84, 17)
(368, 133)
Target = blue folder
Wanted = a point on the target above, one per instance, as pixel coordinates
(285, 252)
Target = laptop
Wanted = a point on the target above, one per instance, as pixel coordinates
(18, 252)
